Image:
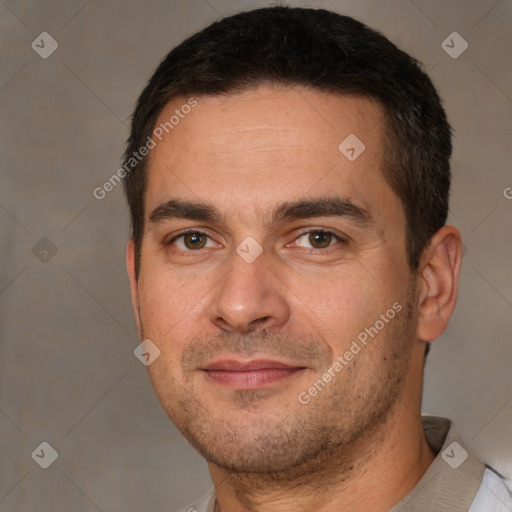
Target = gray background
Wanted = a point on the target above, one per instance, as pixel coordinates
(67, 371)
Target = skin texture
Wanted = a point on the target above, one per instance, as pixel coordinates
(358, 444)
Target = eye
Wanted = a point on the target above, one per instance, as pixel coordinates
(318, 239)
(192, 240)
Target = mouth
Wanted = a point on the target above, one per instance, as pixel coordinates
(249, 374)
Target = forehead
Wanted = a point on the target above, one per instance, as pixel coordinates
(255, 148)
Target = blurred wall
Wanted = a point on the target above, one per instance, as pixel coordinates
(67, 371)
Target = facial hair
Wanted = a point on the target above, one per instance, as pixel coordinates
(252, 442)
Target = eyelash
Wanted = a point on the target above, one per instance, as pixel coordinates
(326, 250)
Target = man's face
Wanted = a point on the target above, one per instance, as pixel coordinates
(253, 298)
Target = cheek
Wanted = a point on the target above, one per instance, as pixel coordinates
(166, 303)
(337, 302)
(343, 302)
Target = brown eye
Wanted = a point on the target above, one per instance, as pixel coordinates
(320, 239)
(194, 240)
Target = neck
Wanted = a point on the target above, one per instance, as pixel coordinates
(373, 474)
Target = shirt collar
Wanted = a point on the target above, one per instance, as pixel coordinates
(452, 481)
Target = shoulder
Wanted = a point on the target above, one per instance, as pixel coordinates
(494, 494)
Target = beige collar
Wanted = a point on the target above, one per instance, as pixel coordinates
(452, 481)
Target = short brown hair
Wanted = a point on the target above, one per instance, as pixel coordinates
(325, 51)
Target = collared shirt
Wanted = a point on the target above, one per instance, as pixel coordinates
(456, 481)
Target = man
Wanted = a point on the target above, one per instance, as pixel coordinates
(288, 176)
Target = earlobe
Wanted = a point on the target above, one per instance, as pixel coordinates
(439, 282)
(134, 285)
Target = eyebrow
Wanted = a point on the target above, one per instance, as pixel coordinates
(301, 209)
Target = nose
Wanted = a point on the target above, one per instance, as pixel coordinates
(250, 296)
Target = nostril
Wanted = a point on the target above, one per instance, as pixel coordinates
(254, 324)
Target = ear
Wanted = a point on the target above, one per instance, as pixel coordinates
(134, 285)
(439, 274)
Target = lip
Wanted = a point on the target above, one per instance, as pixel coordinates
(249, 374)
